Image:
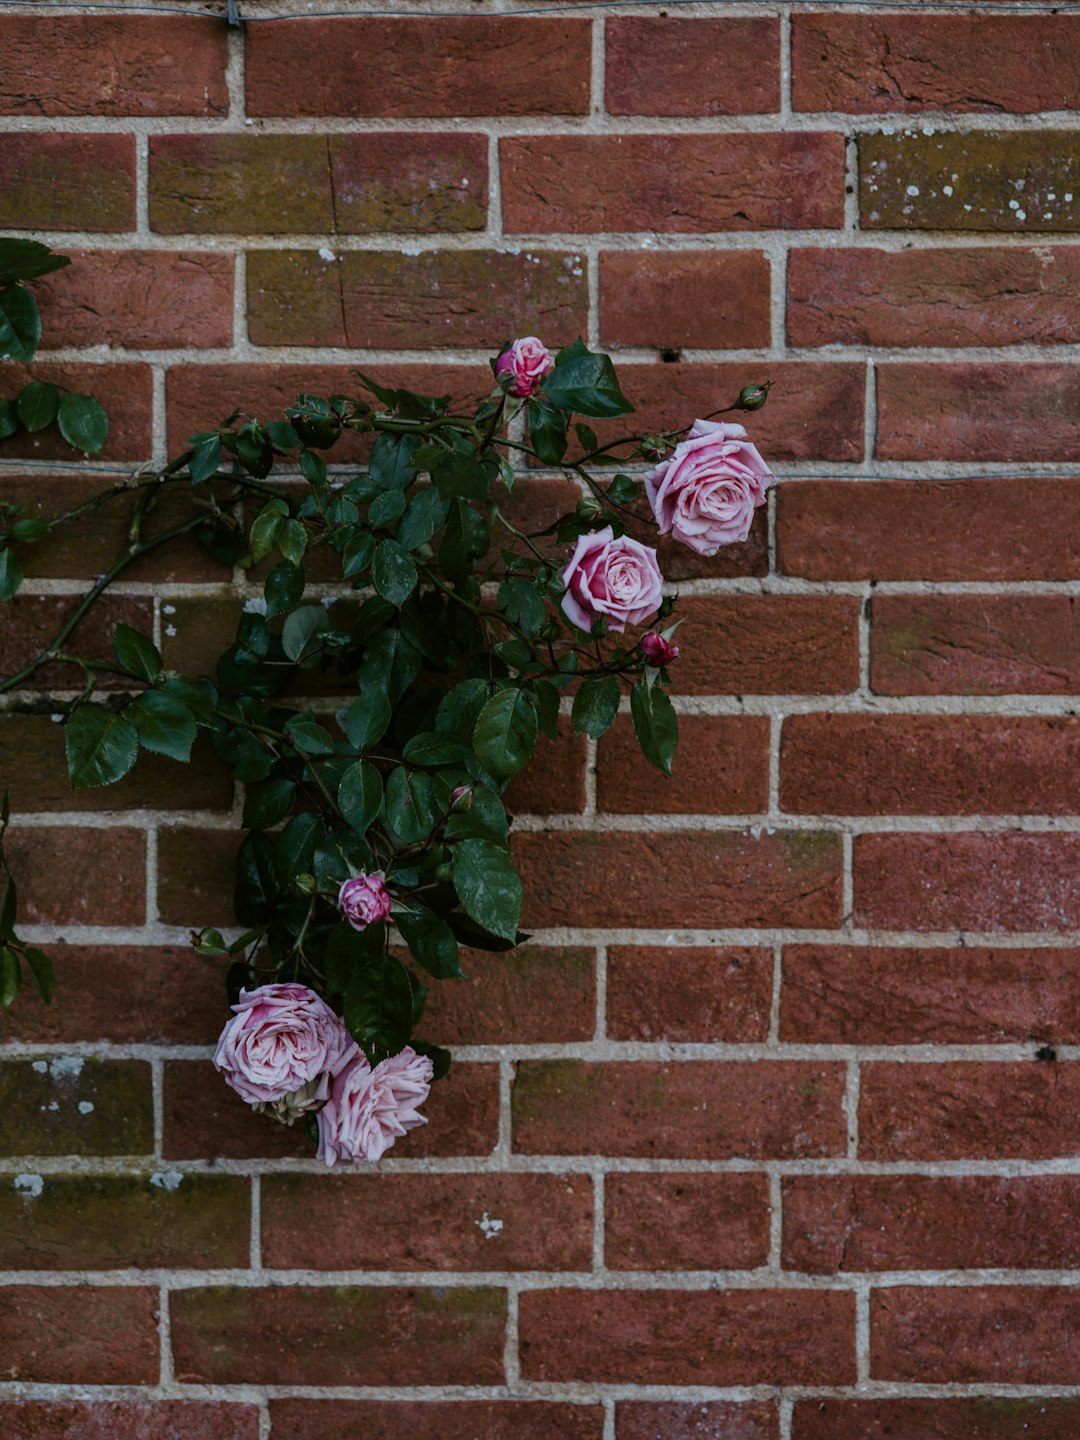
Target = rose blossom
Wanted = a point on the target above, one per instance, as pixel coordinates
(618, 579)
(706, 491)
(657, 650)
(528, 361)
(368, 1109)
(364, 901)
(281, 1038)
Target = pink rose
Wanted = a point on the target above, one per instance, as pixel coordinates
(281, 1038)
(368, 1109)
(528, 360)
(706, 491)
(364, 901)
(618, 579)
(657, 650)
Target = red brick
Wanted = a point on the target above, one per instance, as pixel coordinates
(874, 64)
(461, 1420)
(721, 768)
(967, 881)
(113, 65)
(317, 184)
(205, 1119)
(920, 1222)
(77, 1335)
(927, 179)
(33, 621)
(128, 1420)
(769, 645)
(338, 1335)
(197, 876)
(553, 782)
(974, 645)
(62, 879)
(686, 1222)
(1014, 1334)
(956, 1111)
(672, 183)
(662, 66)
(985, 1418)
(125, 392)
(382, 299)
(139, 300)
(691, 1109)
(700, 1420)
(959, 529)
(67, 1105)
(67, 182)
(927, 764)
(680, 878)
(907, 995)
(446, 66)
(815, 411)
(427, 1222)
(707, 994)
(119, 1222)
(531, 995)
(700, 299)
(977, 412)
(915, 297)
(689, 1337)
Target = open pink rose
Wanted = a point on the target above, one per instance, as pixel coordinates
(527, 361)
(706, 492)
(364, 901)
(369, 1109)
(618, 579)
(282, 1038)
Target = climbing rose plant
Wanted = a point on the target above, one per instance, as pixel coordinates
(377, 838)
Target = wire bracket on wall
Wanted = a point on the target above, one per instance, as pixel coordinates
(233, 16)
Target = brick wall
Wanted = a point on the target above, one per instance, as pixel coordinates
(772, 1133)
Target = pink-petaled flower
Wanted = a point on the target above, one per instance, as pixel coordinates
(281, 1039)
(657, 650)
(369, 1109)
(527, 362)
(364, 901)
(706, 492)
(618, 579)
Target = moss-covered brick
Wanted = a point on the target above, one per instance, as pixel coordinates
(67, 182)
(68, 1105)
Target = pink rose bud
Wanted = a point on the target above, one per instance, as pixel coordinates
(657, 650)
(527, 362)
(461, 799)
(364, 901)
(706, 492)
(369, 1109)
(281, 1039)
(617, 581)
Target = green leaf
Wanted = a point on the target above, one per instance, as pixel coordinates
(393, 572)
(431, 941)
(595, 706)
(429, 747)
(587, 385)
(282, 436)
(489, 887)
(357, 554)
(284, 587)
(137, 654)
(20, 324)
(29, 531)
(460, 708)
(37, 404)
(423, 519)
(461, 477)
(41, 971)
(348, 951)
(295, 846)
(505, 735)
(198, 695)
(391, 460)
(301, 631)
(623, 490)
(309, 736)
(547, 430)
(360, 796)
(27, 259)
(292, 541)
(10, 976)
(165, 724)
(101, 746)
(655, 725)
(8, 911)
(366, 719)
(9, 419)
(205, 460)
(266, 527)
(464, 541)
(83, 423)
(390, 663)
(11, 576)
(210, 942)
(267, 804)
(385, 508)
(440, 1058)
(256, 882)
(522, 603)
(412, 808)
(379, 1007)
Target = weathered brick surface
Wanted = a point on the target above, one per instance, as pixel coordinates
(698, 299)
(687, 993)
(103, 875)
(78, 1335)
(686, 1222)
(65, 1105)
(722, 768)
(984, 1418)
(644, 1420)
(463, 1420)
(527, 996)
(769, 645)
(45, 179)
(658, 65)
(128, 1420)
